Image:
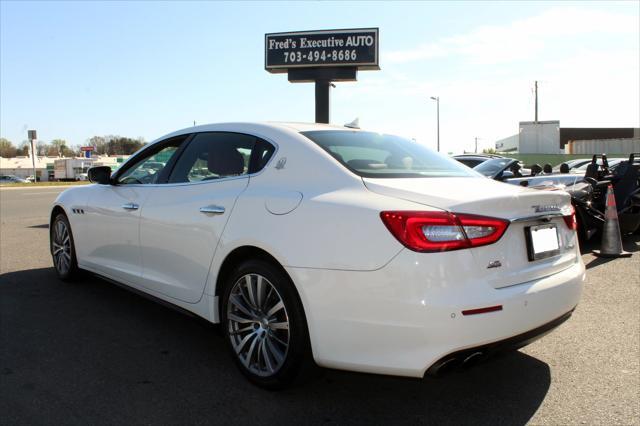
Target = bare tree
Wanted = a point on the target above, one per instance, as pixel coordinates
(7, 149)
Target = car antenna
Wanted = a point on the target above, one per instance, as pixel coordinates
(355, 124)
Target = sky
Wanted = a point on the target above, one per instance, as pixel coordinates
(72, 70)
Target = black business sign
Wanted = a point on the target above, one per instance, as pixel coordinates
(327, 48)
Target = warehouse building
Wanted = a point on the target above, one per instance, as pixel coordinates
(547, 137)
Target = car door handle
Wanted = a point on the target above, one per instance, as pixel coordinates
(212, 209)
(130, 206)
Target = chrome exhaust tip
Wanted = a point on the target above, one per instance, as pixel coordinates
(444, 366)
(473, 359)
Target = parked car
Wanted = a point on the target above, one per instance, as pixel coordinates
(12, 179)
(307, 242)
(572, 164)
(588, 191)
(472, 160)
(82, 177)
(502, 168)
(611, 164)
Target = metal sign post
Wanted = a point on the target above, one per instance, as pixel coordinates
(322, 57)
(32, 136)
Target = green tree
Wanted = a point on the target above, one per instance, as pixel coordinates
(488, 151)
(7, 149)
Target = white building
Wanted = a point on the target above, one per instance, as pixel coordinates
(45, 166)
(23, 167)
(547, 137)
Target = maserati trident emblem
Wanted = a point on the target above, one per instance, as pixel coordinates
(494, 264)
(546, 208)
(281, 162)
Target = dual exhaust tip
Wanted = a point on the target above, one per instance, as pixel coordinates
(471, 356)
(457, 361)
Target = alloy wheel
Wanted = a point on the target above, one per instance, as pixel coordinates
(61, 247)
(258, 325)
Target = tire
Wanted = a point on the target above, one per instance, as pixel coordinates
(63, 252)
(266, 331)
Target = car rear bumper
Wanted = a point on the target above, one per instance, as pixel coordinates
(407, 317)
(511, 343)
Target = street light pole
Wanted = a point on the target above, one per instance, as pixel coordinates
(437, 99)
(32, 136)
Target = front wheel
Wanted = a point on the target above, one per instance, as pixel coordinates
(265, 325)
(62, 248)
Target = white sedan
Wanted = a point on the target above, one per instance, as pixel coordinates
(357, 250)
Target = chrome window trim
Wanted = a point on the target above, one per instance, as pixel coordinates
(224, 179)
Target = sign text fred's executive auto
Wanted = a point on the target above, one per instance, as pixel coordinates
(322, 48)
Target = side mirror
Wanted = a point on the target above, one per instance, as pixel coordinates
(100, 174)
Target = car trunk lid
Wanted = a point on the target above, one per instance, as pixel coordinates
(506, 262)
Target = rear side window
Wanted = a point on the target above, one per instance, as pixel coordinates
(370, 154)
(262, 153)
(217, 155)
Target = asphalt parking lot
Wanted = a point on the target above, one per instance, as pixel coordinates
(94, 353)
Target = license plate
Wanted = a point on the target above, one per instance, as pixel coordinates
(542, 241)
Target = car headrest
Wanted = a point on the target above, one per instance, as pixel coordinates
(547, 168)
(226, 161)
(535, 169)
(365, 164)
(564, 168)
(592, 171)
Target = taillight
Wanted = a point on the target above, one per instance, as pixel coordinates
(570, 219)
(442, 231)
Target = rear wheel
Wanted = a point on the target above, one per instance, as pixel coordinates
(264, 324)
(62, 248)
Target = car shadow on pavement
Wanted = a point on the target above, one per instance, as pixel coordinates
(93, 353)
(43, 226)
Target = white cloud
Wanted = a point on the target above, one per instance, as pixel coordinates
(520, 39)
(581, 84)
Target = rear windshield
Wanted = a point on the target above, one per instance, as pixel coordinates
(376, 155)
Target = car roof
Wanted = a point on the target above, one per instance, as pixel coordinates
(237, 126)
(308, 127)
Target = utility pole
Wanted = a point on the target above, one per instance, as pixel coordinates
(536, 96)
(476, 138)
(437, 99)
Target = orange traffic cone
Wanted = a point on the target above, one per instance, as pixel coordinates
(611, 245)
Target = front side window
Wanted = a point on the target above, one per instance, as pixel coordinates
(148, 169)
(370, 154)
(214, 155)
